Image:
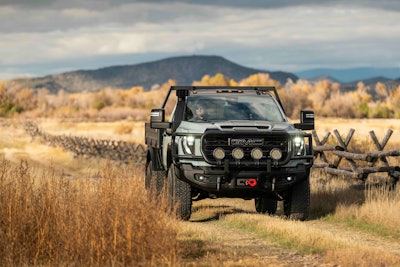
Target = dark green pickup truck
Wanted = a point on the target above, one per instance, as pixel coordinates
(231, 142)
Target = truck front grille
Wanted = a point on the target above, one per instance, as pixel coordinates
(247, 142)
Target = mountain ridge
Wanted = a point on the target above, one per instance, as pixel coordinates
(183, 69)
(351, 75)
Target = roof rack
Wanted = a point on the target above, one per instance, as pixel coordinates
(182, 91)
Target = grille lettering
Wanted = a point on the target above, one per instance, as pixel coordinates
(246, 141)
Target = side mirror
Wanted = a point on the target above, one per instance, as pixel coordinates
(306, 120)
(157, 119)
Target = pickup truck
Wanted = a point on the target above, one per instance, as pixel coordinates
(229, 142)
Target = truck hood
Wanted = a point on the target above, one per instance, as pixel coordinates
(235, 126)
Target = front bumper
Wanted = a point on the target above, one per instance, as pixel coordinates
(232, 181)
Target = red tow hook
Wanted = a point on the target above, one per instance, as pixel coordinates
(252, 182)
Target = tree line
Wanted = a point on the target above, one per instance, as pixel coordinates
(324, 97)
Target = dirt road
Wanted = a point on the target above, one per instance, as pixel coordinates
(213, 239)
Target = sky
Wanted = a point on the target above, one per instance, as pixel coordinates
(42, 37)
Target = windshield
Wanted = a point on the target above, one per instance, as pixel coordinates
(242, 107)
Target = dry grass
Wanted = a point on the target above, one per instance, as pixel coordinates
(379, 212)
(85, 212)
(362, 127)
(105, 219)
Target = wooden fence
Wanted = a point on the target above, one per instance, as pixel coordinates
(333, 159)
(82, 146)
(356, 165)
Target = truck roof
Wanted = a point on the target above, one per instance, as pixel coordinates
(183, 91)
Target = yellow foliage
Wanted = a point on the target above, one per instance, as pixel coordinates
(218, 80)
(260, 79)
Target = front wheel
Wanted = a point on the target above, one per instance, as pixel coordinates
(297, 203)
(265, 204)
(179, 193)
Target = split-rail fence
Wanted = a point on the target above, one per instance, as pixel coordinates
(332, 159)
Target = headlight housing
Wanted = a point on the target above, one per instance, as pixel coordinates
(298, 146)
(188, 144)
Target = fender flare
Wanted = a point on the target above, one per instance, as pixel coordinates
(153, 155)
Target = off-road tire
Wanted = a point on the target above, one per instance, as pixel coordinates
(264, 204)
(154, 180)
(179, 193)
(296, 206)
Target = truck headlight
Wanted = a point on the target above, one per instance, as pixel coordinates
(188, 144)
(298, 146)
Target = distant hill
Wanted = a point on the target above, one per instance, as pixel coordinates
(184, 70)
(371, 82)
(323, 77)
(351, 75)
(348, 86)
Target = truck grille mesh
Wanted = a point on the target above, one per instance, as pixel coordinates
(247, 142)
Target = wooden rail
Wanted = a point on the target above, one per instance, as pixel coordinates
(333, 159)
(82, 146)
(355, 165)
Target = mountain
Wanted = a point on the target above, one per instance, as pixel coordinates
(351, 74)
(184, 70)
(323, 77)
(371, 82)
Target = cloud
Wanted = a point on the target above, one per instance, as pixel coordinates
(285, 36)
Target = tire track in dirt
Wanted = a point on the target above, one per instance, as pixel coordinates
(226, 245)
(239, 248)
(387, 244)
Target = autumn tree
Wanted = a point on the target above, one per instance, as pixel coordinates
(381, 92)
(218, 80)
(260, 79)
(294, 97)
(361, 100)
(26, 99)
(393, 102)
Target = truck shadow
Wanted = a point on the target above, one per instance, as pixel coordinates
(326, 202)
(322, 203)
(207, 213)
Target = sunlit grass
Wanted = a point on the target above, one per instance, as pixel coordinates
(49, 219)
(379, 213)
(101, 200)
(304, 239)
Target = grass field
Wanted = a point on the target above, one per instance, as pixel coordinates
(59, 210)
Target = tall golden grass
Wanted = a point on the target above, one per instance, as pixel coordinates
(102, 215)
(103, 219)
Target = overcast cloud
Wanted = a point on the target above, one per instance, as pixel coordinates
(51, 36)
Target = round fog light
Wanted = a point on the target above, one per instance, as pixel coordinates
(219, 153)
(237, 153)
(276, 154)
(256, 153)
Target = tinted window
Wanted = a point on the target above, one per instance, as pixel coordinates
(242, 107)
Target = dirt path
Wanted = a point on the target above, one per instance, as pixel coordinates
(223, 245)
(237, 248)
(387, 244)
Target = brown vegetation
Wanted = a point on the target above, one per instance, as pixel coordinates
(99, 220)
(325, 97)
(63, 215)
